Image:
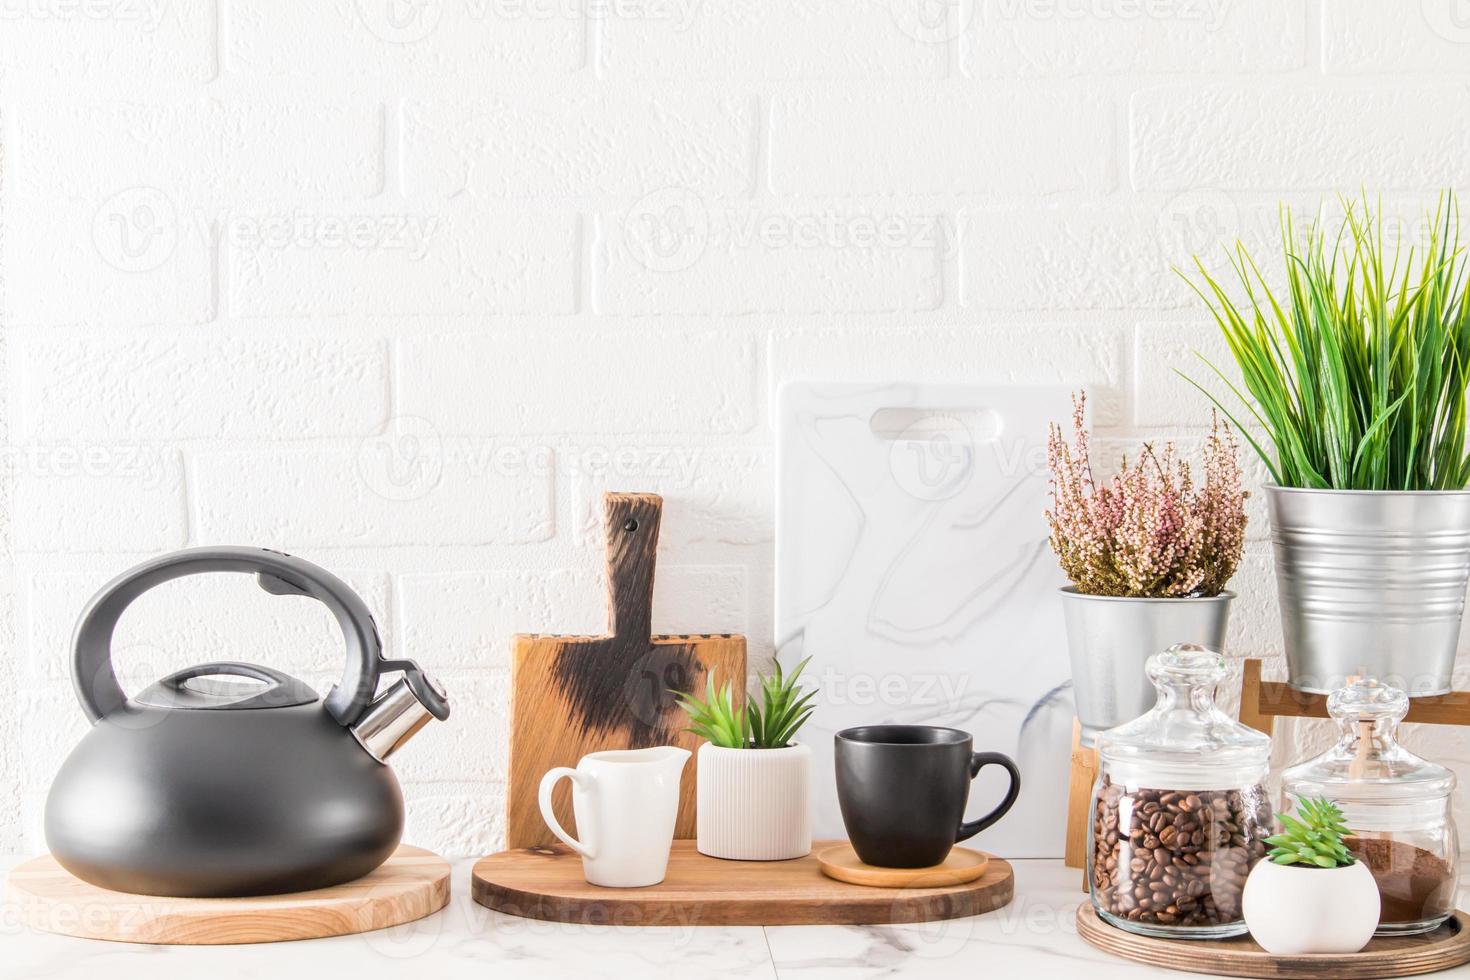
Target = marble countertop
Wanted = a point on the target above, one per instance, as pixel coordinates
(1033, 938)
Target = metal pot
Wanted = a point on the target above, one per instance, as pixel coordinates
(1109, 638)
(231, 779)
(1372, 583)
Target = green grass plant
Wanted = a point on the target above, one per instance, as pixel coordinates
(1356, 365)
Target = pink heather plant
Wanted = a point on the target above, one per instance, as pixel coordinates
(1147, 533)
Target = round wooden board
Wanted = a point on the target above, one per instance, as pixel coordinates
(411, 884)
(547, 883)
(962, 865)
(1397, 956)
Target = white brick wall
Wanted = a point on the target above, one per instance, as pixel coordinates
(404, 288)
(989, 138)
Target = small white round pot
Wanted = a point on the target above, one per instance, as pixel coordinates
(754, 803)
(1290, 909)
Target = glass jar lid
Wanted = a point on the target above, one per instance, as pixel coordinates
(1185, 741)
(1368, 765)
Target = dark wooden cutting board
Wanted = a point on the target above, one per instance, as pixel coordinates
(571, 695)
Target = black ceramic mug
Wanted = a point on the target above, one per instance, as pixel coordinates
(903, 789)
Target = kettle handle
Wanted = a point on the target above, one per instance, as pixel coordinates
(93, 676)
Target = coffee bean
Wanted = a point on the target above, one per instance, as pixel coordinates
(1173, 857)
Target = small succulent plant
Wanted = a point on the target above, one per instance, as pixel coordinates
(773, 724)
(1313, 837)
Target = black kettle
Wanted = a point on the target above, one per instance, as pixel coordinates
(231, 779)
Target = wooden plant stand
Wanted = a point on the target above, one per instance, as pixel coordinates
(1079, 800)
(1261, 703)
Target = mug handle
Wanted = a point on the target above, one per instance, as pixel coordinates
(548, 783)
(979, 760)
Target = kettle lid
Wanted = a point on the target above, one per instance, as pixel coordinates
(226, 685)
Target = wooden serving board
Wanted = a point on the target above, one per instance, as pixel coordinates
(1386, 956)
(547, 883)
(411, 884)
(571, 695)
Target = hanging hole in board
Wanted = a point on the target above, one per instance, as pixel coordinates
(932, 451)
(631, 524)
(970, 426)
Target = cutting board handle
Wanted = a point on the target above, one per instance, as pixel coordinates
(630, 522)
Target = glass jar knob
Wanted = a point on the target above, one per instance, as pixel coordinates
(1188, 672)
(1368, 708)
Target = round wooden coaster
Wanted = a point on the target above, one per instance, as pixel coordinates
(1386, 956)
(411, 884)
(698, 890)
(962, 865)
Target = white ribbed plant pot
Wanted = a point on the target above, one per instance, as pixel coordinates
(754, 803)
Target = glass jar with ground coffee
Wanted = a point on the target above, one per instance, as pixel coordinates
(1396, 804)
(1180, 812)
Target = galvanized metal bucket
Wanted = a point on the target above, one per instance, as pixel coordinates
(1372, 583)
(1109, 638)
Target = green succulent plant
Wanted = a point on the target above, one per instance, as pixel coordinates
(1313, 837)
(772, 724)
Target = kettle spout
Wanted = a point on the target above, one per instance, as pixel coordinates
(396, 715)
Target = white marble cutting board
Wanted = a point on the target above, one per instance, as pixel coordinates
(912, 565)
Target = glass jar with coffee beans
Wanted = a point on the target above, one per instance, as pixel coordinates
(1180, 812)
